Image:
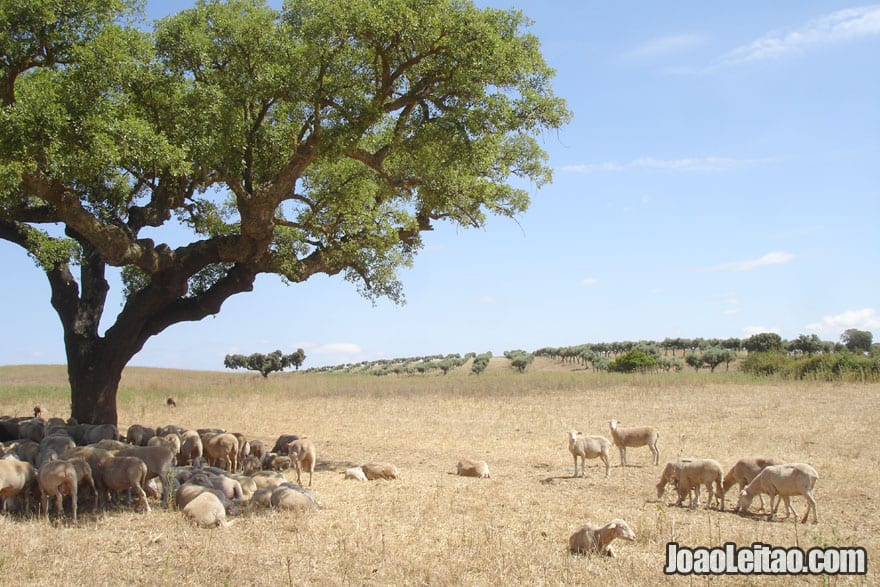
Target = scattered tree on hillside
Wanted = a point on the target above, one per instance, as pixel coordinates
(694, 360)
(265, 364)
(634, 360)
(807, 345)
(481, 362)
(320, 139)
(857, 340)
(519, 359)
(763, 342)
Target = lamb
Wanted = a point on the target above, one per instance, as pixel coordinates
(472, 468)
(16, 477)
(57, 479)
(588, 447)
(783, 480)
(221, 450)
(744, 471)
(207, 511)
(118, 473)
(302, 453)
(590, 538)
(689, 474)
(380, 471)
(634, 437)
(159, 460)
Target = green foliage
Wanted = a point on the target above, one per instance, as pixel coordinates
(635, 360)
(857, 340)
(519, 359)
(805, 344)
(824, 367)
(763, 342)
(481, 362)
(694, 360)
(265, 363)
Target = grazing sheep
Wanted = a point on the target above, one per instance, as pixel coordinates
(283, 442)
(91, 433)
(191, 448)
(687, 475)
(32, 429)
(263, 496)
(84, 476)
(171, 440)
(302, 454)
(207, 511)
(118, 473)
(588, 447)
(590, 538)
(53, 445)
(258, 448)
(251, 464)
(221, 450)
(57, 479)
(380, 471)
(274, 462)
(169, 429)
(634, 437)
(28, 451)
(159, 460)
(355, 473)
(472, 468)
(744, 471)
(139, 435)
(16, 477)
(783, 480)
(170, 402)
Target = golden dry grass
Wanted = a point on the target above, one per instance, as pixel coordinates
(433, 528)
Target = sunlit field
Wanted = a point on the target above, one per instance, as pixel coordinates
(431, 527)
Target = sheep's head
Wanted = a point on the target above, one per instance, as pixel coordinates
(613, 424)
(661, 487)
(622, 530)
(572, 436)
(745, 501)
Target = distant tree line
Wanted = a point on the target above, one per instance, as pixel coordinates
(265, 363)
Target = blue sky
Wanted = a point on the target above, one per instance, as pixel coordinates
(720, 177)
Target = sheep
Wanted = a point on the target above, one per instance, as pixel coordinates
(92, 433)
(472, 468)
(171, 440)
(32, 429)
(16, 477)
(263, 496)
(689, 474)
(207, 511)
(290, 498)
(191, 448)
(221, 448)
(590, 538)
(57, 479)
(783, 480)
(117, 473)
(110, 444)
(139, 435)
(247, 484)
(272, 461)
(84, 476)
(189, 491)
(169, 401)
(28, 451)
(588, 447)
(230, 488)
(380, 471)
(258, 448)
(267, 479)
(355, 473)
(283, 442)
(634, 437)
(302, 454)
(744, 471)
(56, 445)
(158, 459)
(251, 464)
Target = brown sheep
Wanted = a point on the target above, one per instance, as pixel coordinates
(139, 435)
(159, 460)
(121, 473)
(288, 498)
(471, 468)
(16, 478)
(380, 471)
(221, 450)
(191, 448)
(590, 538)
(57, 479)
(302, 454)
(283, 442)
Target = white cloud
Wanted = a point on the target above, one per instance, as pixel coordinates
(865, 319)
(774, 258)
(342, 348)
(665, 46)
(694, 164)
(752, 330)
(590, 281)
(486, 300)
(844, 25)
(730, 311)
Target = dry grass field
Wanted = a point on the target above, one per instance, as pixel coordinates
(431, 527)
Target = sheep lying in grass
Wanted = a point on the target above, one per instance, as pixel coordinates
(207, 511)
(472, 468)
(634, 437)
(302, 454)
(16, 477)
(784, 481)
(590, 538)
(380, 471)
(687, 475)
(355, 473)
(744, 471)
(57, 479)
(588, 447)
(290, 497)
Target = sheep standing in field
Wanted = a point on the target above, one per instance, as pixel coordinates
(380, 471)
(634, 437)
(16, 477)
(687, 475)
(784, 481)
(302, 454)
(590, 538)
(588, 447)
(283, 442)
(472, 468)
(159, 460)
(207, 511)
(744, 471)
(191, 448)
(139, 435)
(119, 473)
(57, 479)
(221, 450)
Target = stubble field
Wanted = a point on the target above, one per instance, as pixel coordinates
(431, 527)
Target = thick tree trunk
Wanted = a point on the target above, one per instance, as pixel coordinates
(93, 386)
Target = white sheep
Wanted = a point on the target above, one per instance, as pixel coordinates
(207, 511)
(375, 470)
(288, 497)
(302, 454)
(588, 447)
(473, 468)
(783, 480)
(590, 538)
(688, 474)
(16, 477)
(744, 471)
(634, 437)
(355, 473)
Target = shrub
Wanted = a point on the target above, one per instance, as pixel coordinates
(633, 360)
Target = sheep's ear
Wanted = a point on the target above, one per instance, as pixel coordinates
(743, 493)
(612, 525)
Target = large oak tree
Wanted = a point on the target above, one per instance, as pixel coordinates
(323, 138)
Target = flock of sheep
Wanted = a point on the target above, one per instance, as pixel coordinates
(755, 476)
(211, 472)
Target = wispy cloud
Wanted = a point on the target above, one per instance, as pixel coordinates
(589, 281)
(844, 25)
(774, 258)
(665, 46)
(682, 165)
(865, 319)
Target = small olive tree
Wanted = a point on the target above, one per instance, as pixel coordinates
(265, 364)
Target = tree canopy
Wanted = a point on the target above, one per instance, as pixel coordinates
(323, 138)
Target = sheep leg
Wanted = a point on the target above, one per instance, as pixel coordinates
(575, 466)
(811, 505)
(656, 452)
(622, 456)
(607, 462)
(44, 504)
